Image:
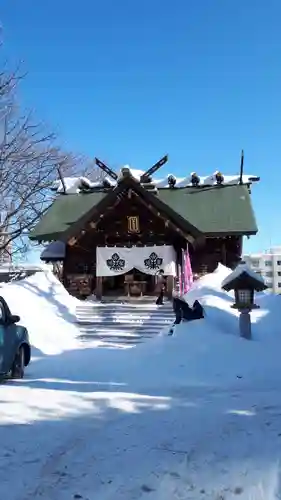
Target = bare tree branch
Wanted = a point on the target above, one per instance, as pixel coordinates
(29, 159)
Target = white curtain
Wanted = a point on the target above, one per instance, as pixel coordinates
(150, 260)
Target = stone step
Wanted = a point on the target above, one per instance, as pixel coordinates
(125, 319)
(101, 336)
(96, 314)
(106, 332)
(133, 310)
(125, 310)
(128, 339)
(113, 342)
(124, 324)
(126, 329)
(119, 328)
(124, 304)
(144, 299)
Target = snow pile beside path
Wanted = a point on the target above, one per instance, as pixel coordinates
(209, 352)
(46, 309)
(205, 288)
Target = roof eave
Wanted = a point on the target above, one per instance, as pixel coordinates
(220, 234)
(52, 259)
(64, 236)
(47, 238)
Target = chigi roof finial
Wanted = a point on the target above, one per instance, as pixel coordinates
(147, 175)
(241, 168)
(106, 169)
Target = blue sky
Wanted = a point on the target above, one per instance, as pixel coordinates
(129, 81)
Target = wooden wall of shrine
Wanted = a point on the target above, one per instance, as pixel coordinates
(226, 250)
(130, 222)
(79, 270)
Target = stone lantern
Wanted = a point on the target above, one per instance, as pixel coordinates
(244, 282)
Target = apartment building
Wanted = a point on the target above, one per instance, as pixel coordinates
(268, 264)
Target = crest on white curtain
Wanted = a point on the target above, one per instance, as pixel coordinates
(149, 260)
(153, 262)
(115, 263)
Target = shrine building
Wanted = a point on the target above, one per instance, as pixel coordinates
(114, 238)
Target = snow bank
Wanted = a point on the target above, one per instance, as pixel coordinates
(208, 285)
(209, 352)
(46, 309)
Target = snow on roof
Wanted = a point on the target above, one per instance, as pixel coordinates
(134, 172)
(75, 184)
(238, 271)
(209, 180)
(55, 250)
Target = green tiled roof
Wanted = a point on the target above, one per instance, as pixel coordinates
(212, 210)
(65, 210)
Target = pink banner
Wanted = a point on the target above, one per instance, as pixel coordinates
(180, 278)
(187, 271)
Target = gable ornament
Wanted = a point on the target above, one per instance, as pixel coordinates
(133, 224)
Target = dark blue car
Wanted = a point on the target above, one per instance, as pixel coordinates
(15, 351)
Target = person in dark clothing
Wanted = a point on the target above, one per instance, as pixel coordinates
(184, 312)
(190, 313)
(177, 310)
(198, 311)
(161, 283)
(187, 312)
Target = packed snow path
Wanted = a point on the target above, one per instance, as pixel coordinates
(96, 441)
(125, 324)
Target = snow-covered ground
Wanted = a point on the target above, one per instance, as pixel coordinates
(196, 415)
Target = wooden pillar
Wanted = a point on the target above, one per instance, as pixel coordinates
(223, 252)
(65, 267)
(170, 286)
(180, 269)
(240, 246)
(99, 287)
(64, 279)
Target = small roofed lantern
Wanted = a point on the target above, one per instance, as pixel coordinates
(244, 282)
